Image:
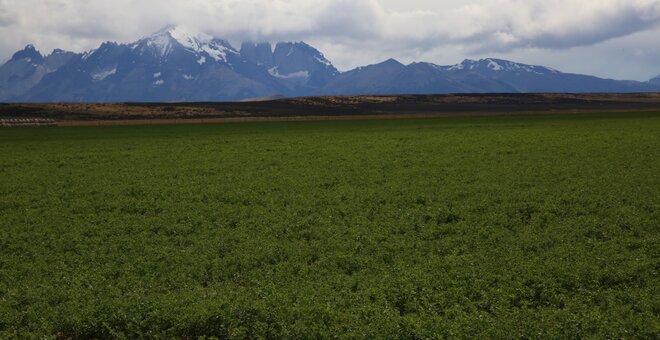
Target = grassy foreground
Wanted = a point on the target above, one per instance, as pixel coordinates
(505, 227)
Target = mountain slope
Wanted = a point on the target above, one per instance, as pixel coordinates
(260, 54)
(299, 67)
(372, 79)
(471, 76)
(392, 77)
(655, 81)
(27, 68)
(529, 78)
(302, 64)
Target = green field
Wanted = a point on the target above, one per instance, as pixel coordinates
(501, 227)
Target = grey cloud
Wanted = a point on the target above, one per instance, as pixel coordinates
(6, 19)
(350, 19)
(620, 21)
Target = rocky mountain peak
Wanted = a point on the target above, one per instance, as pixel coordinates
(29, 54)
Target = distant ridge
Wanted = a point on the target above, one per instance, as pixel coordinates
(655, 80)
(179, 65)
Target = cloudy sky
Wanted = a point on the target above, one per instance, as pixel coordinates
(609, 38)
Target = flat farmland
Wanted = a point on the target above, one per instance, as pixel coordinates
(484, 227)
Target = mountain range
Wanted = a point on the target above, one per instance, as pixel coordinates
(173, 65)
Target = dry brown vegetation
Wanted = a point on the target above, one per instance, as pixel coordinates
(344, 107)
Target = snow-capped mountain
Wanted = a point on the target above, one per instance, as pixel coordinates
(492, 74)
(166, 42)
(169, 65)
(176, 64)
(497, 65)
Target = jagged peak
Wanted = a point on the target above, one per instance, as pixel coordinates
(103, 48)
(294, 43)
(109, 43)
(59, 51)
(28, 52)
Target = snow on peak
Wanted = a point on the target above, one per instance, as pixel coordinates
(498, 65)
(465, 64)
(322, 59)
(88, 54)
(457, 67)
(200, 44)
(161, 41)
(493, 65)
(188, 38)
(505, 65)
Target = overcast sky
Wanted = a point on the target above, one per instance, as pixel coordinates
(609, 38)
